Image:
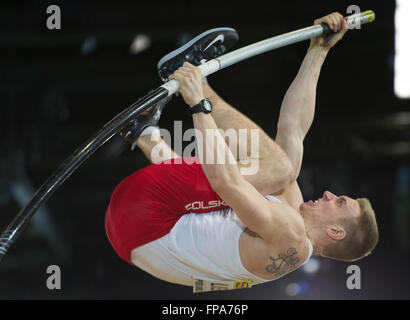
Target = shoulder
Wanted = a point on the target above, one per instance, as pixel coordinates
(272, 260)
(304, 249)
(294, 235)
(294, 253)
(285, 226)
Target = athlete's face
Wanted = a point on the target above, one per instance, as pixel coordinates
(329, 209)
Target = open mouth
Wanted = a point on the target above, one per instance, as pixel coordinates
(313, 203)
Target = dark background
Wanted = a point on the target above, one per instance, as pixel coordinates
(58, 87)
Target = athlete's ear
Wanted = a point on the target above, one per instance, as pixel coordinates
(336, 233)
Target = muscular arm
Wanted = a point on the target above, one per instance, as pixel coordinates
(272, 221)
(298, 106)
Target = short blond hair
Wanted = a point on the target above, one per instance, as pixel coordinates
(362, 235)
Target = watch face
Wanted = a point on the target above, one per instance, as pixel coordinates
(207, 105)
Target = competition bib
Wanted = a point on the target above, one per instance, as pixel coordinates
(200, 285)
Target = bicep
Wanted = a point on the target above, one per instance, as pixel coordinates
(250, 206)
(272, 221)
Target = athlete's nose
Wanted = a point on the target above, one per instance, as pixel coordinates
(327, 195)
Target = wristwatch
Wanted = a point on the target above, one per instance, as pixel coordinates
(204, 106)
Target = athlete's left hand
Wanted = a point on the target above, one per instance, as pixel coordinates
(190, 83)
(337, 24)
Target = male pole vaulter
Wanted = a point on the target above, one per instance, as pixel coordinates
(247, 229)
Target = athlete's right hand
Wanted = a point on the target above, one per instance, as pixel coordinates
(190, 83)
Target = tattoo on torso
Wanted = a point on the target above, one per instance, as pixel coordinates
(283, 263)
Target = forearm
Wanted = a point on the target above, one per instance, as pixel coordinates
(217, 160)
(298, 106)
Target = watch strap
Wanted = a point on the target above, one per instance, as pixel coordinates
(195, 109)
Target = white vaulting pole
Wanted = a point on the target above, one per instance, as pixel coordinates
(276, 42)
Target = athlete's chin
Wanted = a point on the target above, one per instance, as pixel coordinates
(305, 210)
(303, 207)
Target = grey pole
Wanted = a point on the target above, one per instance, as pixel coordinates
(228, 59)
